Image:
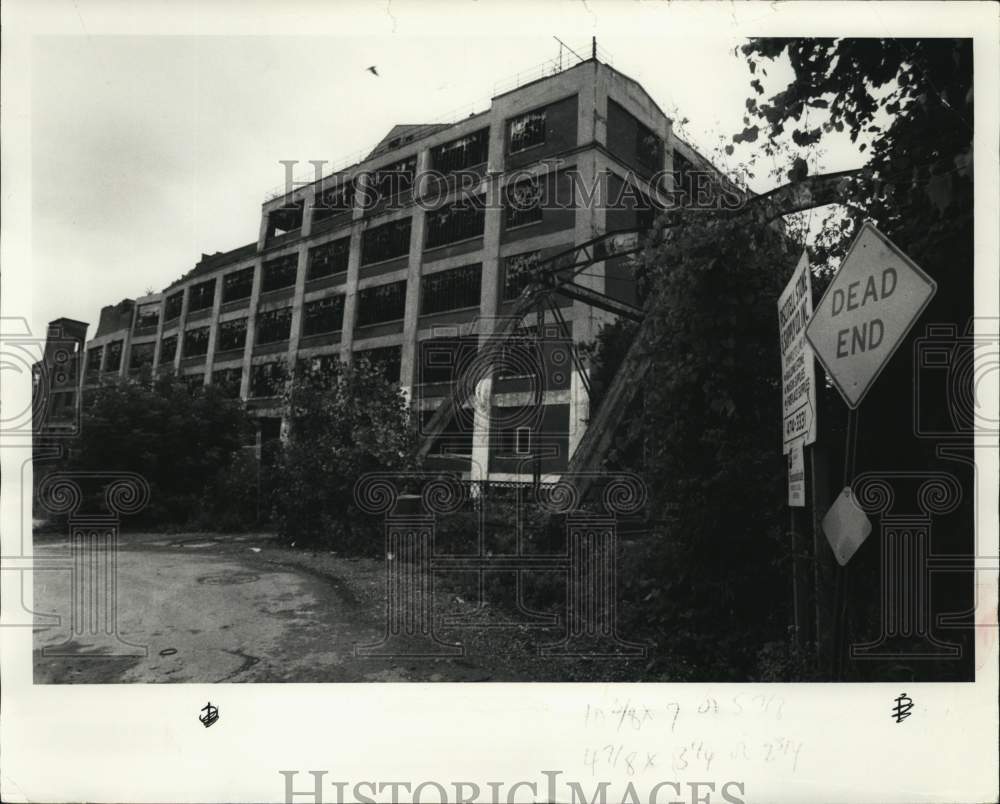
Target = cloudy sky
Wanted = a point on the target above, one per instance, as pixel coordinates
(148, 150)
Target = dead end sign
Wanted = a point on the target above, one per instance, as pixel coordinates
(871, 304)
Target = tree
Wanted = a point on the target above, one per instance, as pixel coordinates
(343, 421)
(183, 440)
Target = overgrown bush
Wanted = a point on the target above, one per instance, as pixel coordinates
(344, 421)
(185, 441)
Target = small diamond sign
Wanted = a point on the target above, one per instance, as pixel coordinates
(846, 526)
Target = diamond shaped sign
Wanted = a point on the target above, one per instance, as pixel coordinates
(846, 526)
(872, 302)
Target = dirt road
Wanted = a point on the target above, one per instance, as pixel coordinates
(219, 608)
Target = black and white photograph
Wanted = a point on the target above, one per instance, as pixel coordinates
(644, 353)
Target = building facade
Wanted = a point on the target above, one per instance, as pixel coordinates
(385, 260)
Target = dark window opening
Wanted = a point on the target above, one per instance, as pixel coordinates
(141, 356)
(285, 220)
(174, 305)
(147, 316)
(517, 273)
(323, 364)
(323, 315)
(333, 201)
(94, 355)
(195, 382)
(685, 180)
(648, 147)
(382, 303)
(386, 359)
(228, 381)
(113, 361)
(455, 438)
(168, 349)
(442, 360)
(523, 203)
(329, 258)
(201, 295)
(459, 220)
(232, 335)
(465, 152)
(268, 379)
(392, 182)
(237, 285)
(280, 273)
(451, 290)
(527, 131)
(274, 325)
(196, 342)
(386, 242)
(520, 356)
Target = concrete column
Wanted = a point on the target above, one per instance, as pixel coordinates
(213, 332)
(351, 284)
(159, 338)
(408, 357)
(127, 344)
(590, 222)
(258, 273)
(297, 303)
(181, 323)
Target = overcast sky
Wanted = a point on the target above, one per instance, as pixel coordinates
(149, 150)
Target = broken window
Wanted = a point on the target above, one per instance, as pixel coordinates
(382, 303)
(196, 342)
(392, 182)
(280, 273)
(386, 242)
(459, 220)
(329, 258)
(517, 273)
(195, 382)
(285, 220)
(94, 355)
(323, 315)
(450, 290)
(228, 381)
(141, 356)
(323, 364)
(113, 361)
(274, 325)
(201, 296)
(386, 359)
(174, 305)
(520, 355)
(527, 131)
(333, 201)
(237, 285)
(168, 349)
(147, 316)
(232, 335)
(443, 359)
(524, 203)
(648, 147)
(268, 379)
(465, 152)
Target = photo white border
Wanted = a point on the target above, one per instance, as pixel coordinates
(142, 742)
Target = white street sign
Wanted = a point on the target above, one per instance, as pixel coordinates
(846, 526)
(872, 303)
(798, 379)
(796, 476)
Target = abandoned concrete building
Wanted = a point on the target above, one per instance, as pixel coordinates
(407, 283)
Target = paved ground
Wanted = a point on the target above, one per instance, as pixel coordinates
(212, 608)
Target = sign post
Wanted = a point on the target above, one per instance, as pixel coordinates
(871, 304)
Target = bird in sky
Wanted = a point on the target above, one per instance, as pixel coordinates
(373, 71)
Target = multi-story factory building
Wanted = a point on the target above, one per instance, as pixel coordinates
(336, 274)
